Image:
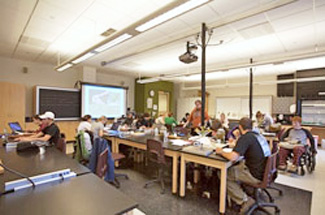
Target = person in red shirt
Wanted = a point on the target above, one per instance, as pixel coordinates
(38, 121)
(195, 117)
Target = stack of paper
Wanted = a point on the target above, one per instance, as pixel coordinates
(180, 142)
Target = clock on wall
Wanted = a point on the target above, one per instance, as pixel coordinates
(151, 93)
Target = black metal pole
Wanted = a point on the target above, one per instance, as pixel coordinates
(251, 90)
(203, 73)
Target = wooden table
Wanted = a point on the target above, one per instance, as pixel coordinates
(215, 161)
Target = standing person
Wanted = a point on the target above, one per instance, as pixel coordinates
(50, 133)
(264, 120)
(224, 121)
(85, 126)
(98, 127)
(195, 117)
(299, 138)
(255, 150)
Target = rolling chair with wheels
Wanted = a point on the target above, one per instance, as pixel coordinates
(268, 178)
(156, 155)
(101, 162)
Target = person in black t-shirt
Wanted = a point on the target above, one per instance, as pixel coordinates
(255, 150)
(51, 133)
(145, 122)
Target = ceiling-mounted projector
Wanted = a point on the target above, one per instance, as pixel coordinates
(188, 56)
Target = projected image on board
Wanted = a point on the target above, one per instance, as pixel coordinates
(100, 100)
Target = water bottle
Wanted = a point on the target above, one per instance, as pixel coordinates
(166, 136)
(6, 140)
(156, 131)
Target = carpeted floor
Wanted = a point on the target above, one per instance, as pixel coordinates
(294, 201)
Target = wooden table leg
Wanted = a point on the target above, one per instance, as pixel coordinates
(175, 173)
(117, 150)
(223, 190)
(183, 177)
(196, 176)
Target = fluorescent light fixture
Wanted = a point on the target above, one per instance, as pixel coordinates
(170, 14)
(66, 66)
(321, 93)
(83, 57)
(148, 80)
(114, 42)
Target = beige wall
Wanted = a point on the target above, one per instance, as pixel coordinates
(230, 90)
(44, 75)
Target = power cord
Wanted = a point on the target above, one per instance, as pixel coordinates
(16, 173)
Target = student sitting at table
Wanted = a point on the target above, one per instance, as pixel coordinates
(233, 135)
(38, 121)
(145, 122)
(224, 121)
(98, 127)
(264, 120)
(255, 150)
(303, 139)
(217, 130)
(185, 119)
(170, 120)
(85, 128)
(160, 119)
(51, 133)
(128, 120)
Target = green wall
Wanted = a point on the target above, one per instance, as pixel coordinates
(142, 93)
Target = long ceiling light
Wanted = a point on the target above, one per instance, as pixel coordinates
(114, 42)
(170, 14)
(83, 57)
(64, 67)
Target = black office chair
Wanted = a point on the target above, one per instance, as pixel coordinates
(156, 155)
(268, 179)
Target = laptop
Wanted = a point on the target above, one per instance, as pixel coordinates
(115, 126)
(15, 127)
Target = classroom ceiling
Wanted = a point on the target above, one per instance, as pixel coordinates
(268, 31)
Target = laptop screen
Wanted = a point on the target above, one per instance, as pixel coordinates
(15, 126)
(115, 126)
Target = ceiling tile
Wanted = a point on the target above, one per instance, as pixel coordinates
(298, 38)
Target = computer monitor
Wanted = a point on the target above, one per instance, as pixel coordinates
(15, 126)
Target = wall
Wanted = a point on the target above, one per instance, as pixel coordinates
(119, 80)
(233, 89)
(44, 75)
(38, 74)
(142, 93)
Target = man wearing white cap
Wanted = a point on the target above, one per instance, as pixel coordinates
(51, 133)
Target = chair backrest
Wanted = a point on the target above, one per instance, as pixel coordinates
(169, 128)
(155, 151)
(61, 145)
(270, 172)
(101, 167)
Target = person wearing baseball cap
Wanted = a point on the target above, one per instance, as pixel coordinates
(51, 133)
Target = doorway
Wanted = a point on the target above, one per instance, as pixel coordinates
(163, 102)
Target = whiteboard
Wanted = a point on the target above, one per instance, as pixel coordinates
(229, 106)
(238, 107)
